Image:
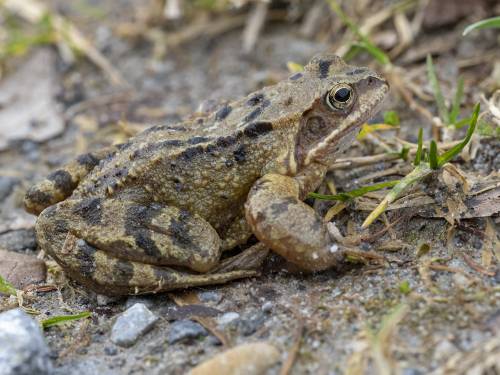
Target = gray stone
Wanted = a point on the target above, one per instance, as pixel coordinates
(7, 183)
(210, 297)
(228, 318)
(22, 347)
(133, 323)
(18, 240)
(184, 330)
(267, 307)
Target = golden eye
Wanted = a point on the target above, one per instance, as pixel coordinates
(339, 97)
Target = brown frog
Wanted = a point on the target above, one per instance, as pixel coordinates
(157, 212)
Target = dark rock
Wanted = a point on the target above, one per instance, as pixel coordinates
(210, 297)
(184, 330)
(18, 240)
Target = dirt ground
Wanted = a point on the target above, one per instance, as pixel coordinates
(425, 298)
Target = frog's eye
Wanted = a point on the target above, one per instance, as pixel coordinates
(339, 97)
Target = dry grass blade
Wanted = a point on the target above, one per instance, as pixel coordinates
(34, 11)
(190, 298)
(294, 350)
(381, 341)
(254, 25)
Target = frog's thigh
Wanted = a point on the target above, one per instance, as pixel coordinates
(289, 226)
(106, 274)
(153, 234)
(60, 184)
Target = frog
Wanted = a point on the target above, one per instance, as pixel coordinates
(166, 209)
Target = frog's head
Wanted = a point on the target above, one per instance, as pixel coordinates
(340, 99)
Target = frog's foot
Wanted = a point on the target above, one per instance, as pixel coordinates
(60, 184)
(153, 235)
(288, 226)
(106, 274)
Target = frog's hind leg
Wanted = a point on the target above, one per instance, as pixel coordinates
(106, 274)
(60, 184)
(154, 235)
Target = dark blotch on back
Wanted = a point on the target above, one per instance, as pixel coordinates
(240, 154)
(256, 99)
(222, 113)
(257, 111)
(89, 161)
(296, 76)
(324, 67)
(40, 197)
(256, 129)
(191, 152)
(196, 140)
(89, 210)
(62, 181)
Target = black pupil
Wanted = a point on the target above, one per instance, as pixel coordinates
(342, 95)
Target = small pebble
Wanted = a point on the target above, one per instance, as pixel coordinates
(185, 329)
(110, 350)
(267, 307)
(23, 350)
(251, 324)
(210, 297)
(228, 318)
(131, 324)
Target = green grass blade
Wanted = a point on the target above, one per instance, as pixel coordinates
(459, 94)
(455, 150)
(343, 197)
(373, 50)
(418, 155)
(365, 42)
(410, 179)
(433, 155)
(436, 89)
(61, 319)
(487, 23)
(7, 288)
(391, 118)
(461, 123)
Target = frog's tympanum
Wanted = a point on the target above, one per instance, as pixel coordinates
(157, 213)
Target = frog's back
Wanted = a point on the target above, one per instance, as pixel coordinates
(206, 165)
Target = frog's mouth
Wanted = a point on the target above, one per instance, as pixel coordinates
(336, 142)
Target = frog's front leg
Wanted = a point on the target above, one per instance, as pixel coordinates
(279, 218)
(60, 184)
